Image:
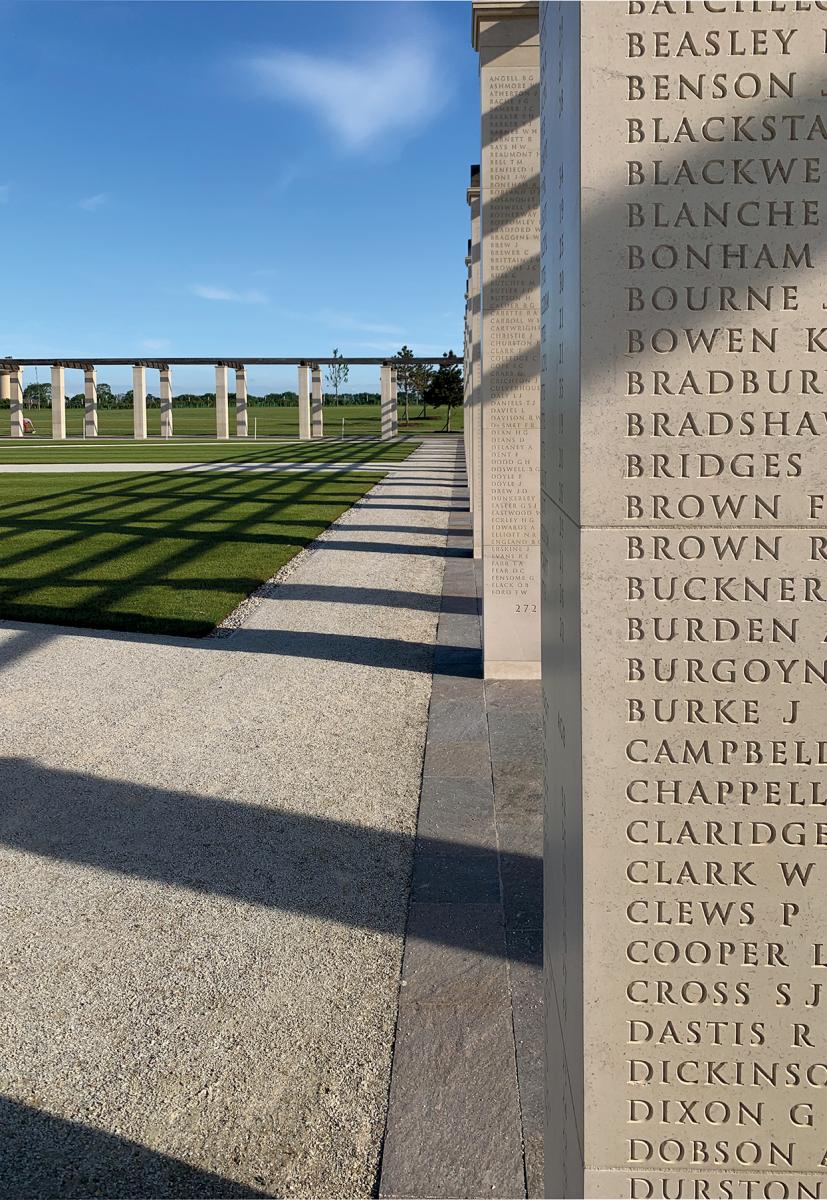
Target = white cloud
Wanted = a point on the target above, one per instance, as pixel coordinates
(375, 347)
(393, 90)
(206, 292)
(355, 324)
(287, 176)
(90, 203)
(5, 193)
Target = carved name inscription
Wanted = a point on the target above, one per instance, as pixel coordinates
(510, 379)
(721, 685)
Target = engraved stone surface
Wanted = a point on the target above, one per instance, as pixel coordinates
(13, 383)
(138, 401)
(241, 417)
(507, 39)
(90, 394)
(165, 390)
(304, 401)
(685, 597)
(222, 410)
(387, 402)
(473, 453)
(316, 403)
(58, 402)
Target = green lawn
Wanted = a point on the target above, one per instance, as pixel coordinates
(159, 553)
(270, 421)
(29, 450)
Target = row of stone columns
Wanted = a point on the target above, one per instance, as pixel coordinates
(222, 402)
(311, 401)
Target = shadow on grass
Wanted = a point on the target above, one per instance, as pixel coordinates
(117, 553)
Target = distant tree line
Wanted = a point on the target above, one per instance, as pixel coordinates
(39, 395)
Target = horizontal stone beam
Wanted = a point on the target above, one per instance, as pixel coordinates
(8, 364)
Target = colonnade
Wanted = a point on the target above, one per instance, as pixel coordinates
(310, 392)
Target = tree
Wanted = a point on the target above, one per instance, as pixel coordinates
(337, 374)
(37, 395)
(421, 375)
(445, 388)
(404, 374)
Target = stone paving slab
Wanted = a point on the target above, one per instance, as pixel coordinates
(465, 1116)
(206, 853)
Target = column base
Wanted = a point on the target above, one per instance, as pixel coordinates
(506, 668)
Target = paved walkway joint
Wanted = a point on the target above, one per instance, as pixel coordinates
(466, 1104)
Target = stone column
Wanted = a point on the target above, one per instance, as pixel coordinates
(139, 402)
(394, 402)
(466, 378)
(58, 403)
(317, 414)
(90, 393)
(385, 413)
(241, 402)
(5, 390)
(15, 388)
(508, 43)
(222, 411)
(304, 401)
(165, 375)
(685, 600)
(473, 411)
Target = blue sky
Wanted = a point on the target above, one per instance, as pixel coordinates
(234, 178)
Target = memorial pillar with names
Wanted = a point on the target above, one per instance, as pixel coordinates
(684, 479)
(304, 401)
(58, 399)
(506, 36)
(394, 402)
(474, 451)
(90, 402)
(139, 402)
(5, 391)
(222, 403)
(317, 403)
(15, 393)
(466, 379)
(165, 388)
(241, 418)
(385, 403)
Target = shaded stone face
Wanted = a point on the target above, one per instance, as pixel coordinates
(684, 540)
(507, 40)
(473, 407)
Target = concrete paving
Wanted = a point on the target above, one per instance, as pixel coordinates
(466, 1107)
(205, 854)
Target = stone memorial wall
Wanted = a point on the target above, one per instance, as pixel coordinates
(508, 43)
(685, 597)
(473, 453)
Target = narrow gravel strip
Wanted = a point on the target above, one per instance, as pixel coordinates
(205, 854)
(376, 466)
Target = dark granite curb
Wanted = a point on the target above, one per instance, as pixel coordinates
(465, 1115)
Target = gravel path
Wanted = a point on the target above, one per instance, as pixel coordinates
(205, 849)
